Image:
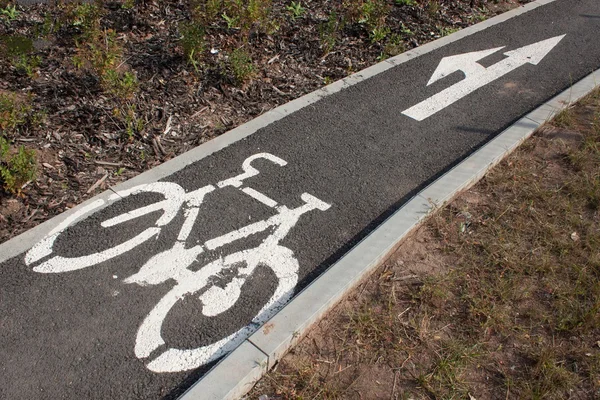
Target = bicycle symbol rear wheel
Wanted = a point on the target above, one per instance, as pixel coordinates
(174, 197)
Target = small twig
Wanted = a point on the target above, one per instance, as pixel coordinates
(194, 115)
(403, 278)
(31, 216)
(110, 164)
(279, 91)
(403, 312)
(25, 140)
(342, 370)
(98, 183)
(168, 126)
(160, 146)
(394, 386)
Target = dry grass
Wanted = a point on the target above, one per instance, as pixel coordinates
(497, 297)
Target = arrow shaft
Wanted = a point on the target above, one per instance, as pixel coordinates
(461, 89)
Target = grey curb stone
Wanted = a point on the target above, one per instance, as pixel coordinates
(233, 377)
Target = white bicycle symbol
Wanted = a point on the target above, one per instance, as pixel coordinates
(174, 262)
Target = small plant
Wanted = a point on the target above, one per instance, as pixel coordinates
(377, 34)
(373, 14)
(445, 31)
(433, 7)
(98, 51)
(246, 14)
(241, 65)
(133, 124)
(128, 4)
(27, 64)
(122, 85)
(10, 13)
(192, 43)
(19, 49)
(406, 2)
(85, 16)
(328, 32)
(296, 10)
(406, 31)
(205, 11)
(232, 22)
(16, 169)
(14, 111)
(49, 26)
(395, 45)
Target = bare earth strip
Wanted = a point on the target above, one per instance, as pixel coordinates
(496, 297)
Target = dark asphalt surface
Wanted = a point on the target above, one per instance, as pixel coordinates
(71, 335)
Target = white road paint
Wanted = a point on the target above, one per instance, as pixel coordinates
(476, 75)
(174, 197)
(173, 264)
(260, 197)
(44, 247)
(249, 170)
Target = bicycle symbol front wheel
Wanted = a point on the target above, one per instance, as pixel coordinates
(216, 300)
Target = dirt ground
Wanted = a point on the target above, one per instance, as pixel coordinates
(496, 297)
(103, 91)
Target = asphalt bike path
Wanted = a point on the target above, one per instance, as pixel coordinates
(157, 282)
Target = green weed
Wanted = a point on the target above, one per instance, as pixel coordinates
(433, 7)
(133, 124)
(19, 50)
(206, 11)
(128, 4)
(122, 85)
(296, 10)
(98, 51)
(16, 168)
(14, 112)
(9, 13)
(232, 22)
(241, 65)
(373, 14)
(27, 64)
(85, 16)
(395, 45)
(193, 44)
(377, 34)
(445, 31)
(328, 32)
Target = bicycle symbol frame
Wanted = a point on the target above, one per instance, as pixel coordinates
(174, 262)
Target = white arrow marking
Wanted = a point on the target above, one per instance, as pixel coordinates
(476, 75)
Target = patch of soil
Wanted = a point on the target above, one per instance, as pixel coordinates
(86, 134)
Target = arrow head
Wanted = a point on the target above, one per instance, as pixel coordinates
(534, 53)
(466, 62)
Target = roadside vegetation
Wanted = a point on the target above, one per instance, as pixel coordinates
(496, 297)
(99, 91)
